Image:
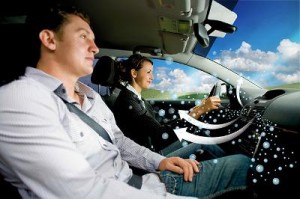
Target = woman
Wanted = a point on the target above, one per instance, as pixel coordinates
(136, 117)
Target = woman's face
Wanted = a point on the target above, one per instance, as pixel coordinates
(143, 77)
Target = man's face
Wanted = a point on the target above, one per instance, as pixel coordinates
(75, 47)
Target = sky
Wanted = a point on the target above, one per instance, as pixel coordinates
(266, 46)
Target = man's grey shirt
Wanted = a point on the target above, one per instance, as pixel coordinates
(57, 155)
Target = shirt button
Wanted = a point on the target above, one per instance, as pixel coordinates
(63, 90)
(81, 134)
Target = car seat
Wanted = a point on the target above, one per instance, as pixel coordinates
(15, 52)
(106, 74)
(8, 190)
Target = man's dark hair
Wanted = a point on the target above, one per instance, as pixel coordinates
(52, 17)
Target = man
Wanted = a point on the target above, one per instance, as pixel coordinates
(47, 151)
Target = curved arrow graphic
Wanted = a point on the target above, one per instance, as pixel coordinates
(182, 134)
(238, 87)
(184, 115)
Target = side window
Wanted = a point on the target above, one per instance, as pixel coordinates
(175, 81)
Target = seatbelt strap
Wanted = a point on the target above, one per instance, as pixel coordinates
(92, 123)
(136, 180)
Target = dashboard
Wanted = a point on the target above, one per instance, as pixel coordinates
(279, 106)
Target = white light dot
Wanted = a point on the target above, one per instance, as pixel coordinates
(276, 181)
(193, 157)
(165, 136)
(259, 168)
(266, 145)
(161, 112)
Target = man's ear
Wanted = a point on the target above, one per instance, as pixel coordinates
(133, 73)
(47, 39)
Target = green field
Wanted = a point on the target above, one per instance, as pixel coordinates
(157, 94)
(289, 86)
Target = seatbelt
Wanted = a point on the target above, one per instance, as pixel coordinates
(135, 180)
(94, 125)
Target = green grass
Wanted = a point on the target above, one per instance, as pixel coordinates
(192, 96)
(289, 86)
(157, 94)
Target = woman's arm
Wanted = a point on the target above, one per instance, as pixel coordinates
(208, 104)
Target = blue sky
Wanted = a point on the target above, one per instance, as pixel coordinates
(266, 46)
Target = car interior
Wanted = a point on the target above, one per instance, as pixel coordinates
(265, 120)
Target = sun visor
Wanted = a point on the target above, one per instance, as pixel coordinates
(174, 42)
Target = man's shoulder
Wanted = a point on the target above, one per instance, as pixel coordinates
(22, 83)
(22, 88)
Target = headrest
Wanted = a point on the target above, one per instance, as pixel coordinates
(104, 72)
(12, 35)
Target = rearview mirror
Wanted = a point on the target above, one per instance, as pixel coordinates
(220, 25)
(201, 35)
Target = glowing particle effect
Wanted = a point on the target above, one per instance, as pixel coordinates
(193, 157)
(161, 112)
(276, 181)
(266, 145)
(174, 96)
(184, 143)
(277, 149)
(259, 168)
(165, 136)
(169, 60)
(171, 110)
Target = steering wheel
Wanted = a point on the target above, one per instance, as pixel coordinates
(229, 103)
(216, 90)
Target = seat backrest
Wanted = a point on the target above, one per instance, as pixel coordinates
(15, 52)
(8, 190)
(105, 73)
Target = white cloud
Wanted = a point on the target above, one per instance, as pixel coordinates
(288, 78)
(283, 63)
(247, 59)
(178, 81)
(290, 52)
(161, 72)
(164, 84)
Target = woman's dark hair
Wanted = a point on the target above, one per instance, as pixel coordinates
(51, 16)
(135, 62)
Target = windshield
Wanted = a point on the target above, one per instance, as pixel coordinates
(266, 46)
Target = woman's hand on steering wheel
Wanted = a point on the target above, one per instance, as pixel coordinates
(211, 103)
